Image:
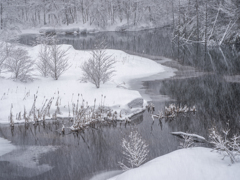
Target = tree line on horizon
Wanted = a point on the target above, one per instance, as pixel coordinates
(192, 21)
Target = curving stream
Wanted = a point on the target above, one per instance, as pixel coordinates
(207, 80)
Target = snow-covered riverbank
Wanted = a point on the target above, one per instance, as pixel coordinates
(5, 146)
(80, 28)
(193, 164)
(68, 87)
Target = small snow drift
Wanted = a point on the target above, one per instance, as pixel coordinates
(193, 164)
(5, 146)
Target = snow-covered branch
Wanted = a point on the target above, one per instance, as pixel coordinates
(228, 147)
(20, 64)
(99, 68)
(135, 151)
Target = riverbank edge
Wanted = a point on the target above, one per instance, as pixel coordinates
(78, 29)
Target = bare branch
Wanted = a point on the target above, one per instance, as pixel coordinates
(99, 68)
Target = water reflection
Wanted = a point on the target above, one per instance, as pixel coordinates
(81, 155)
(217, 102)
(220, 60)
(152, 42)
(158, 42)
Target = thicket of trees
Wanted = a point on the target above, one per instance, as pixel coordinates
(98, 12)
(53, 59)
(192, 20)
(206, 21)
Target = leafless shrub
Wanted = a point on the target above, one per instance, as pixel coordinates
(20, 64)
(187, 142)
(229, 147)
(5, 51)
(58, 60)
(135, 151)
(44, 56)
(99, 68)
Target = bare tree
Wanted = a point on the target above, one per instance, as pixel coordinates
(2, 59)
(135, 151)
(5, 50)
(42, 64)
(58, 61)
(20, 64)
(99, 68)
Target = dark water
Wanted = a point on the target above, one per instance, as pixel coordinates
(157, 42)
(153, 42)
(82, 155)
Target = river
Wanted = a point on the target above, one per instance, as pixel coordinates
(207, 79)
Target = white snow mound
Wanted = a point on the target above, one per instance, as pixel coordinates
(185, 164)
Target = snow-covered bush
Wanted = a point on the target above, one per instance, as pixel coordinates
(229, 147)
(135, 151)
(20, 64)
(99, 68)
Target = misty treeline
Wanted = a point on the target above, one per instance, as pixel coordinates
(95, 12)
(212, 22)
(206, 21)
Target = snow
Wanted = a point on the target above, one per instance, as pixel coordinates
(106, 175)
(187, 134)
(195, 163)
(128, 67)
(91, 28)
(5, 146)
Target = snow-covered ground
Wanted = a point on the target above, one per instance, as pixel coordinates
(193, 164)
(67, 88)
(5, 146)
(105, 175)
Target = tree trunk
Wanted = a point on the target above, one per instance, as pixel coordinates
(197, 20)
(173, 17)
(178, 28)
(66, 15)
(82, 8)
(206, 38)
(1, 16)
(44, 13)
